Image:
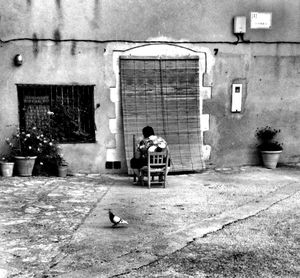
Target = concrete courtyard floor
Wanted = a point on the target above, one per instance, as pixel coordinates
(59, 227)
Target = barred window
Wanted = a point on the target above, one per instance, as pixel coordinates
(66, 110)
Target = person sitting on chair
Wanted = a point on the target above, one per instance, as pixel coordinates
(150, 142)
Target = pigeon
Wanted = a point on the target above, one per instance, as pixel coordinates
(116, 219)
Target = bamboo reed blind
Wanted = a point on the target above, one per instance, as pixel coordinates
(164, 94)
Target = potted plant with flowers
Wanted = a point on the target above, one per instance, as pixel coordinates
(269, 148)
(7, 163)
(26, 145)
(51, 161)
(36, 151)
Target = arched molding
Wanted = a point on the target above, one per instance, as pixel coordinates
(156, 50)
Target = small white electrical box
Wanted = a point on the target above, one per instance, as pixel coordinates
(239, 25)
(236, 102)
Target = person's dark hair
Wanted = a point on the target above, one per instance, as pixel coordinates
(148, 131)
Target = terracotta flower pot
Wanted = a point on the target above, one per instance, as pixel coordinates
(270, 158)
(62, 171)
(24, 165)
(7, 168)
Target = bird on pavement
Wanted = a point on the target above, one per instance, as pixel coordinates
(116, 219)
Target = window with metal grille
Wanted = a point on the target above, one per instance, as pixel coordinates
(66, 110)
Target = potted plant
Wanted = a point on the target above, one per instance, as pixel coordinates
(7, 165)
(26, 146)
(269, 148)
(50, 161)
(62, 166)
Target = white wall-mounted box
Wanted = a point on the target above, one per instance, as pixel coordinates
(239, 25)
(236, 101)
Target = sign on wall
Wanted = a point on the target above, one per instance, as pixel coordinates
(260, 20)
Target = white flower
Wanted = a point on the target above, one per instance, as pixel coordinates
(50, 144)
(162, 145)
(152, 149)
(28, 135)
(41, 163)
(29, 147)
(50, 113)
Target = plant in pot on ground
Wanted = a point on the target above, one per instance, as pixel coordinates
(50, 159)
(7, 161)
(62, 166)
(27, 146)
(34, 151)
(270, 148)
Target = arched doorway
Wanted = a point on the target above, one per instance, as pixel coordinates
(159, 85)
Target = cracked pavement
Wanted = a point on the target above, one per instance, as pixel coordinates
(54, 227)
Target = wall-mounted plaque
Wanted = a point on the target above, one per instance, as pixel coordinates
(260, 20)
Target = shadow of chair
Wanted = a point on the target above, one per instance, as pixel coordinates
(157, 167)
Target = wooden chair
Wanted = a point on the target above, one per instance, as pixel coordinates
(157, 167)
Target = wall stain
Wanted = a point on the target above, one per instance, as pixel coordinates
(59, 10)
(58, 4)
(57, 40)
(57, 36)
(73, 48)
(29, 2)
(96, 19)
(96, 10)
(35, 45)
